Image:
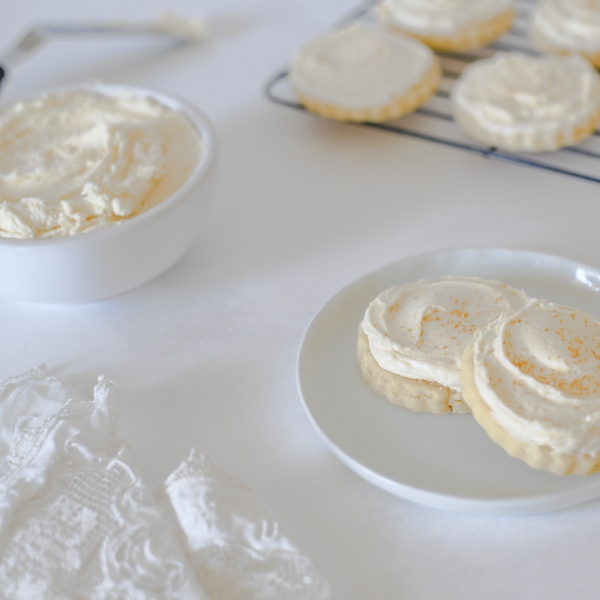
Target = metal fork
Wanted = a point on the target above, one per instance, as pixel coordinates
(170, 26)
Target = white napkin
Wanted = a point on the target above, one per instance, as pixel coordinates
(77, 521)
(234, 540)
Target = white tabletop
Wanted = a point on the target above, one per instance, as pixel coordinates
(205, 355)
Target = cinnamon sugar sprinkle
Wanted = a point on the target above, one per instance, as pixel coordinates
(566, 358)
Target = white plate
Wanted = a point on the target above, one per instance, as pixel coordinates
(446, 462)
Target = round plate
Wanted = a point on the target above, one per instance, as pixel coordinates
(443, 461)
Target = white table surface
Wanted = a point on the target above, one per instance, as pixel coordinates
(205, 355)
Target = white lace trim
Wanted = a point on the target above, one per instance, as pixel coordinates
(77, 521)
(76, 518)
(235, 541)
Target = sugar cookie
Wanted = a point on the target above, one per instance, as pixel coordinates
(564, 26)
(450, 25)
(364, 74)
(527, 103)
(532, 380)
(412, 338)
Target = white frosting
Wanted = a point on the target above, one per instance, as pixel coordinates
(441, 17)
(79, 160)
(191, 29)
(539, 372)
(420, 330)
(359, 67)
(77, 520)
(526, 103)
(568, 25)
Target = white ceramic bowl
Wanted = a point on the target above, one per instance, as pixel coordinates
(115, 259)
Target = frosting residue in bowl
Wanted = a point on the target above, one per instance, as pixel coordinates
(78, 160)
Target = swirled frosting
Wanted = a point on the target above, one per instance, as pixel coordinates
(538, 370)
(527, 103)
(420, 330)
(567, 24)
(441, 17)
(359, 67)
(79, 160)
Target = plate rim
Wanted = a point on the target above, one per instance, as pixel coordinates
(509, 506)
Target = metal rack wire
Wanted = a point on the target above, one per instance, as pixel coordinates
(433, 122)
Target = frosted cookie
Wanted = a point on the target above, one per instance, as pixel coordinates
(532, 380)
(412, 338)
(527, 103)
(564, 26)
(364, 74)
(450, 25)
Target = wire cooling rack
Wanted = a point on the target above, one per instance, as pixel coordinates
(433, 121)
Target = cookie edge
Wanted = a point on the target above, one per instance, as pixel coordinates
(538, 457)
(417, 395)
(472, 37)
(408, 102)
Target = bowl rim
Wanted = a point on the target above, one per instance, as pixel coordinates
(200, 121)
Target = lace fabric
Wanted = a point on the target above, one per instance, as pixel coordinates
(234, 540)
(77, 520)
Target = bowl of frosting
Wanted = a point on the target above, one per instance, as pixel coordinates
(102, 188)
